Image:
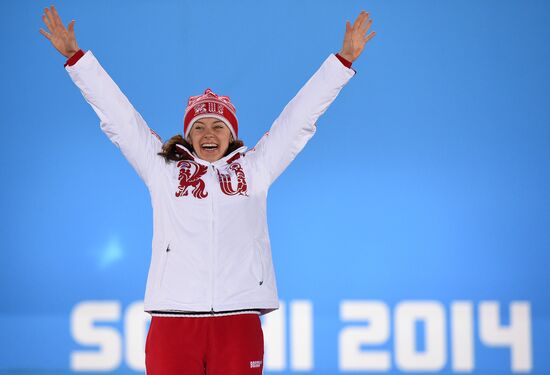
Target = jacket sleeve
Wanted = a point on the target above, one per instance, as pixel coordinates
(122, 124)
(297, 122)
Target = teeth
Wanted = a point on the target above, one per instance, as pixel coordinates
(209, 146)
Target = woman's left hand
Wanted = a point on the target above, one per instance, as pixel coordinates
(356, 37)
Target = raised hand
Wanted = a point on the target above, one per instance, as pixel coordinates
(356, 37)
(62, 39)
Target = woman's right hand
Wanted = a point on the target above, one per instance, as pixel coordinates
(62, 39)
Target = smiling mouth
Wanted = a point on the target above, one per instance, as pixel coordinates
(210, 147)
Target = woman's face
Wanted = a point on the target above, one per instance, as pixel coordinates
(210, 138)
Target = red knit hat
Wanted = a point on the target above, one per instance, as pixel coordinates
(210, 105)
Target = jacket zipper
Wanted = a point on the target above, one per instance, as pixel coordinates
(212, 254)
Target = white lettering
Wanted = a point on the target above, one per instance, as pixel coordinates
(273, 326)
(377, 331)
(432, 314)
(462, 336)
(516, 336)
(420, 336)
(83, 316)
(301, 335)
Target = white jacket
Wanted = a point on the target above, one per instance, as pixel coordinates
(211, 249)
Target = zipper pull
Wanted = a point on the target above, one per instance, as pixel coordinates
(168, 248)
(212, 311)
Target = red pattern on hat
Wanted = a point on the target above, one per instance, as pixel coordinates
(210, 105)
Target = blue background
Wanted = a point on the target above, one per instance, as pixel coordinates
(428, 177)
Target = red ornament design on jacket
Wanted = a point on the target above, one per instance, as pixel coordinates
(190, 176)
(225, 181)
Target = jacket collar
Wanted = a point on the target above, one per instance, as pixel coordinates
(228, 159)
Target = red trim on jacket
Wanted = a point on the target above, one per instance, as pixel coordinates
(233, 158)
(74, 58)
(346, 63)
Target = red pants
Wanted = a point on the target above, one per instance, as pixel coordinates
(218, 345)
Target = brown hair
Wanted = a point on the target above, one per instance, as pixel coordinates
(171, 152)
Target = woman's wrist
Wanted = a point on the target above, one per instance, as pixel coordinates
(344, 61)
(74, 58)
(345, 56)
(71, 53)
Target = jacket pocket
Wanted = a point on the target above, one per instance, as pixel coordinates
(260, 259)
(185, 277)
(165, 256)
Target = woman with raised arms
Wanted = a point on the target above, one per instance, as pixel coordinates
(211, 273)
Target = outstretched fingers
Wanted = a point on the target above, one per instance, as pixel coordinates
(348, 32)
(357, 20)
(360, 19)
(71, 27)
(63, 39)
(365, 26)
(47, 22)
(368, 37)
(56, 17)
(46, 34)
(52, 24)
(356, 36)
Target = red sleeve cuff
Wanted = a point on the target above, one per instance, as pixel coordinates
(74, 58)
(346, 63)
